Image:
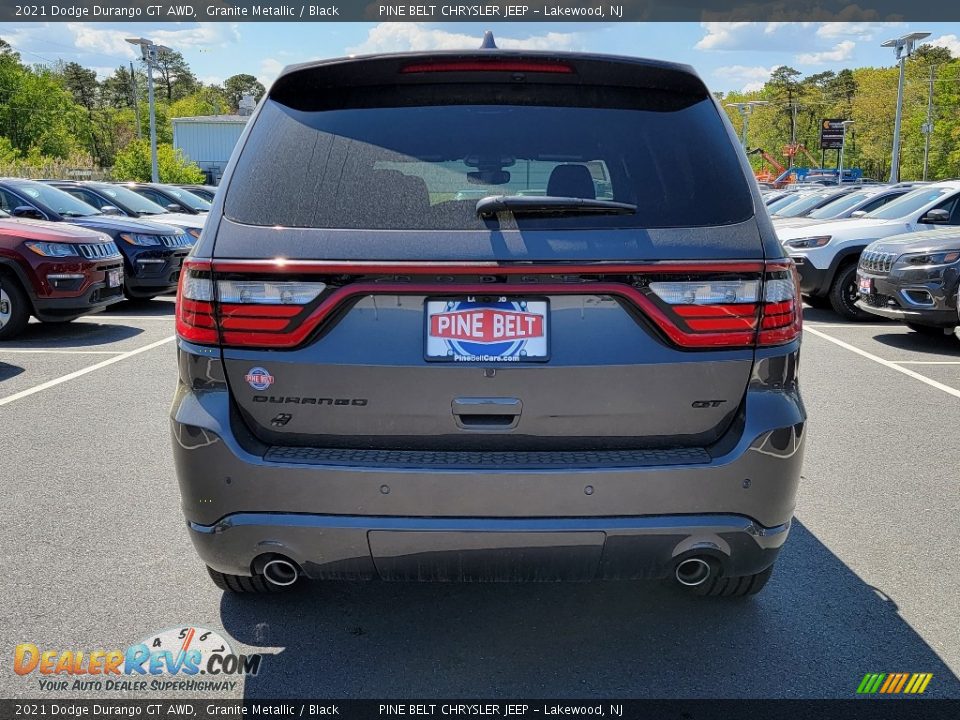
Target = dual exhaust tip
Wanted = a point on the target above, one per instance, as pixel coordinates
(693, 571)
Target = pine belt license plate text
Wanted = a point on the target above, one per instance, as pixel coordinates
(487, 329)
(866, 286)
(114, 277)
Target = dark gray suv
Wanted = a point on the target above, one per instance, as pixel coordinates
(488, 316)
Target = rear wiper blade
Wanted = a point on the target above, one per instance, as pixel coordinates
(545, 205)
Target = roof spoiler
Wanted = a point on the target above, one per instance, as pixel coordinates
(486, 65)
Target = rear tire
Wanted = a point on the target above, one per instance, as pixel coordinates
(14, 308)
(843, 295)
(256, 584)
(817, 302)
(720, 586)
(930, 330)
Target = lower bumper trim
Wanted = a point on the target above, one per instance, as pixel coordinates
(487, 549)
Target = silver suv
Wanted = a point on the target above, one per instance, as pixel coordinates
(488, 316)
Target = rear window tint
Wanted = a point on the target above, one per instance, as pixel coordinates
(425, 167)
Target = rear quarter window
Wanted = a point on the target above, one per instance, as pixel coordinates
(424, 166)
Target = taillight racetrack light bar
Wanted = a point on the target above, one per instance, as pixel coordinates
(281, 304)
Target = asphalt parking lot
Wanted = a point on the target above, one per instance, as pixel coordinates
(95, 553)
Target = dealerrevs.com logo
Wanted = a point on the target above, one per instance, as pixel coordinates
(178, 659)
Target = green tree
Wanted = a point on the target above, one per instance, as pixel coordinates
(133, 163)
(236, 86)
(174, 76)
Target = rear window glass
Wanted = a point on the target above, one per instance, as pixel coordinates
(425, 167)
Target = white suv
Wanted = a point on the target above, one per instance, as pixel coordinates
(827, 253)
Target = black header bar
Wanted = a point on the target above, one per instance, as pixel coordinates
(431, 709)
(486, 11)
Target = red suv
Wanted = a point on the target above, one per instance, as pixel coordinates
(54, 272)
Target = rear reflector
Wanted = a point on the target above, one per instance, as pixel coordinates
(505, 65)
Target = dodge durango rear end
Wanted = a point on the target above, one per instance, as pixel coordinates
(488, 316)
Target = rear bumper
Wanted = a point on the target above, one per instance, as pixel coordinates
(345, 518)
(487, 549)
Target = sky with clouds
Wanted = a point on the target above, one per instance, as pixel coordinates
(730, 56)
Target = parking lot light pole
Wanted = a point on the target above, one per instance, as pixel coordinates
(903, 46)
(746, 108)
(843, 144)
(150, 51)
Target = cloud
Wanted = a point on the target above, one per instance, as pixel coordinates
(840, 52)
(860, 31)
(750, 77)
(199, 37)
(950, 42)
(783, 37)
(269, 69)
(726, 35)
(400, 37)
(87, 36)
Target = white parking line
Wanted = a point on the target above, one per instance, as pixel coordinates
(78, 373)
(886, 363)
(46, 351)
(857, 326)
(927, 362)
(125, 318)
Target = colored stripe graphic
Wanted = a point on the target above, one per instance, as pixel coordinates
(903, 680)
(894, 683)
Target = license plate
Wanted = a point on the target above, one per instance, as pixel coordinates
(487, 329)
(114, 278)
(866, 286)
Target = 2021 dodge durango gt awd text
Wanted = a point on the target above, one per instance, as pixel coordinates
(501, 323)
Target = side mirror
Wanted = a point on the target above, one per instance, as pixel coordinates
(858, 213)
(110, 210)
(936, 217)
(173, 207)
(27, 211)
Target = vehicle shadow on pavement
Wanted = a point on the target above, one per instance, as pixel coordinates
(814, 315)
(9, 371)
(52, 336)
(945, 345)
(158, 307)
(814, 631)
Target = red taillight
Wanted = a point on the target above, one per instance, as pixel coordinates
(729, 311)
(695, 305)
(782, 312)
(250, 311)
(195, 318)
(493, 65)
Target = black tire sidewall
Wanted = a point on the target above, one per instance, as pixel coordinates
(838, 295)
(19, 306)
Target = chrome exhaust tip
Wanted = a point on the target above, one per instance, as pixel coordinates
(281, 572)
(693, 571)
